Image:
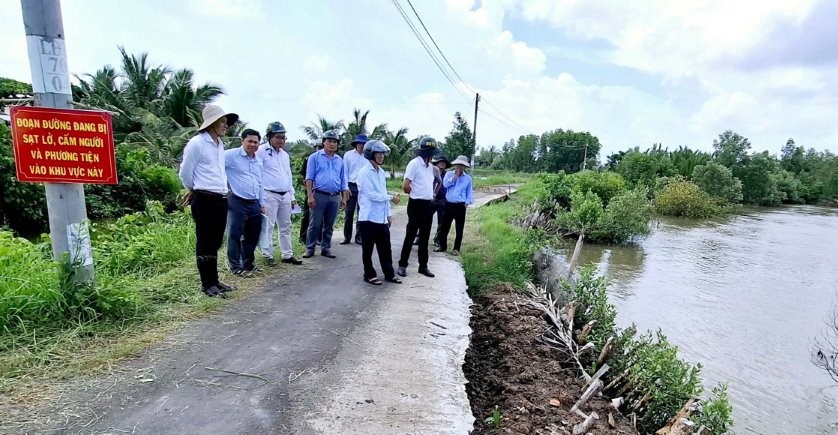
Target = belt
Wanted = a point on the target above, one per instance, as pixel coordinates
(353, 184)
(249, 201)
(326, 193)
(278, 193)
(208, 193)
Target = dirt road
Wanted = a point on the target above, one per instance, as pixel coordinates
(314, 351)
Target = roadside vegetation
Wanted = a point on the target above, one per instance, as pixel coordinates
(645, 369)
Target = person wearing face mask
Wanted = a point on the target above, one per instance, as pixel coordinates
(202, 173)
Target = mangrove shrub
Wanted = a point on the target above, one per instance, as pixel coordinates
(685, 199)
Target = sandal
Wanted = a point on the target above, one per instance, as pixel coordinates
(374, 280)
(395, 280)
(438, 249)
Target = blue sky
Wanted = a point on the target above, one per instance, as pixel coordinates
(631, 73)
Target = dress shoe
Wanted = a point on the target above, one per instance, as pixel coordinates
(224, 287)
(402, 271)
(292, 260)
(213, 292)
(345, 242)
(327, 254)
(308, 254)
(425, 271)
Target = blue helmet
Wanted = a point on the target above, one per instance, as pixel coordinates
(359, 139)
(373, 147)
(330, 134)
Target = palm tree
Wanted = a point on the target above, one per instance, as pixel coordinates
(400, 149)
(315, 130)
(182, 102)
(101, 90)
(143, 84)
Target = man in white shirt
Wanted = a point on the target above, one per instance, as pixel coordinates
(202, 173)
(353, 161)
(419, 185)
(279, 192)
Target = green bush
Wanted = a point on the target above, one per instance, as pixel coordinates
(23, 206)
(718, 181)
(140, 180)
(626, 217)
(685, 199)
(716, 413)
(605, 185)
(650, 363)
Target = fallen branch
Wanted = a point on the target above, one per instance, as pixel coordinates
(596, 376)
(592, 389)
(583, 427)
(293, 377)
(247, 375)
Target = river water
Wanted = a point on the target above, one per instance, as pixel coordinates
(745, 297)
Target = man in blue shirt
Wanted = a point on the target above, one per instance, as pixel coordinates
(458, 196)
(246, 202)
(375, 215)
(202, 173)
(327, 190)
(353, 161)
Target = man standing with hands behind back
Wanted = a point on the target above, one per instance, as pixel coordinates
(419, 185)
(246, 202)
(327, 191)
(202, 172)
(353, 161)
(279, 192)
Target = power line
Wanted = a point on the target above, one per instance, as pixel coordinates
(517, 125)
(501, 121)
(428, 48)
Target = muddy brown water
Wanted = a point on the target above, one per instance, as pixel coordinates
(744, 296)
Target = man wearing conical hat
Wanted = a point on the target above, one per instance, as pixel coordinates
(202, 173)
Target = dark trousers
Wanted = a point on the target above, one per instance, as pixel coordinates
(349, 219)
(439, 209)
(210, 215)
(419, 221)
(245, 226)
(323, 216)
(374, 235)
(456, 212)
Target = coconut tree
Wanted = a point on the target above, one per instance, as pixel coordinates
(182, 101)
(316, 129)
(400, 149)
(143, 85)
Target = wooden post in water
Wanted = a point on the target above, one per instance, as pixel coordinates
(577, 251)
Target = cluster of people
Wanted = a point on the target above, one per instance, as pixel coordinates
(234, 190)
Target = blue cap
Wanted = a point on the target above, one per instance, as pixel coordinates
(361, 138)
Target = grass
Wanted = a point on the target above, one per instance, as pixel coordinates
(146, 287)
(495, 250)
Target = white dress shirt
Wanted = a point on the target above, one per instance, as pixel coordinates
(352, 164)
(421, 176)
(276, 169)
(202, 167)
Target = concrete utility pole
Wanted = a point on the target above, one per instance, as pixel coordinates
(474, 132)
(585, 157)
(68, 227)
